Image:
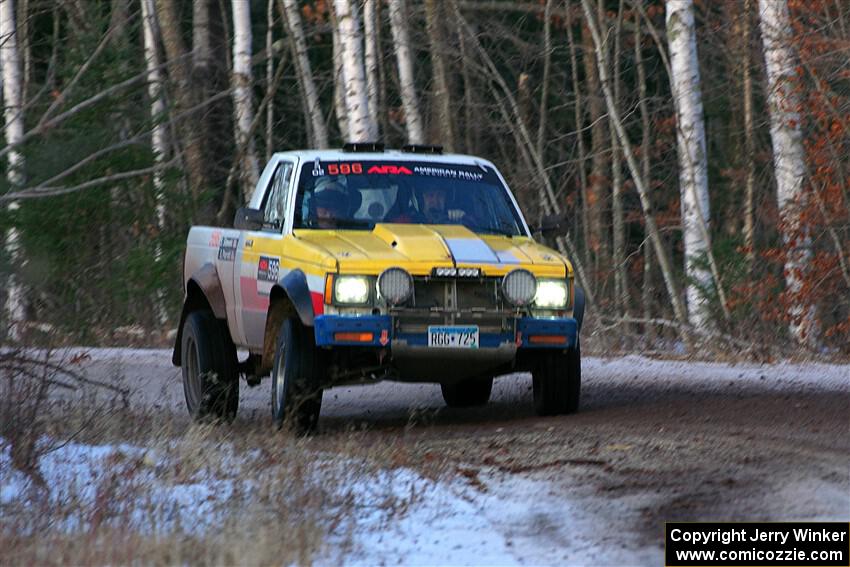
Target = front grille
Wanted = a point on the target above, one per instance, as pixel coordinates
(457, 295)
(454, 302)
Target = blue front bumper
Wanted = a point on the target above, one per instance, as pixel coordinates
(529, 332)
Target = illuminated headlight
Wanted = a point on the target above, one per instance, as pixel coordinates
(351, 290)
(519, 287)
(551, 294)
(395, 285)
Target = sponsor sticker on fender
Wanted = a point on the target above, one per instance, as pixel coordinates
(227, 248)
(268, 268)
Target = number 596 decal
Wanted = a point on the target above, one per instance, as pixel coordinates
(344, 168)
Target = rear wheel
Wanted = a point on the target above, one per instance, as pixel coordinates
(557, 382)
(208, 361)
(467, 393)
(296, 378)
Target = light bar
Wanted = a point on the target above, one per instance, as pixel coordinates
(456, 272)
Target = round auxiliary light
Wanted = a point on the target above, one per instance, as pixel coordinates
(519, 287)
(395, 285)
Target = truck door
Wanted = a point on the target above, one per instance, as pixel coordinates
(259, 257)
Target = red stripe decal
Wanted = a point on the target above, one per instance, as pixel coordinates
(251, 298)
(318, 302)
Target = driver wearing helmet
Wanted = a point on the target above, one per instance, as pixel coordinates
(433, 205)
(329, 205)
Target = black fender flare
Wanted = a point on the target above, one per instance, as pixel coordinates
(203, 290)
(290, 294)
(294, 285)
(578, 306)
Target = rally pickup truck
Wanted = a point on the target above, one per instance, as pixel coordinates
(364, 264)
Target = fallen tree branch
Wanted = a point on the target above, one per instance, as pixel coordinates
(614, 322)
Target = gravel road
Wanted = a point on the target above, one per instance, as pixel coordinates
(654, 441)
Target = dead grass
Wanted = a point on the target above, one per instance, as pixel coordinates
(263, 496)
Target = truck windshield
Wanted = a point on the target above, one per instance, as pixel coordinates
(360, 194)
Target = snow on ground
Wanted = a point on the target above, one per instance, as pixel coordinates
(399, 517)
(126, 478)
(503, 520)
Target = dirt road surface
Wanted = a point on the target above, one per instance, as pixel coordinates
(654, 441)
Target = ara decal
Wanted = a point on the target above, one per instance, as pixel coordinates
(389, 170)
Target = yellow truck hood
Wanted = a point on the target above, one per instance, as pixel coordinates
(418, 248)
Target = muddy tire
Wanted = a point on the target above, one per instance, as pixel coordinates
(208, 362)
(296, 378)
(557, 382)
(467, 393)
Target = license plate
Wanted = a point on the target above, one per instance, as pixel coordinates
(453, 337)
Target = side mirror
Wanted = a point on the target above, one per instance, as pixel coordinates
(248, 219)
(551, 225)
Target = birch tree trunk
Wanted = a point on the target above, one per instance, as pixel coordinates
(243, 107)
(788, 156)
(305, 73)
(370, 30)
(10, 61)
(339, 82)
(158, 139)
(407, 84)
(693, 162)
(360, 126)
(150, 35)
(442, 93)
(201, 43)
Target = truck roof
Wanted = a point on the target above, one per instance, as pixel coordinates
(395, 155)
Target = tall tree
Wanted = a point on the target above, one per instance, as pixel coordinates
(243, 105)
(179, 72)
(639, 181)
(749, 136)
(304, 73)
(442, 92)
(618, 248)
(150, 35)
(371, 25)
(158, 136)
(360, 125)
(789, 164)
(404, 58)
(595, 199)
(13, 113)
(340, 108)
(647, 286)
(201, 42)
(693, 161)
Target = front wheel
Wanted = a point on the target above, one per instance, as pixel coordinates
(556, 382)
(209, 367)
(296, 378)
(467, 393)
